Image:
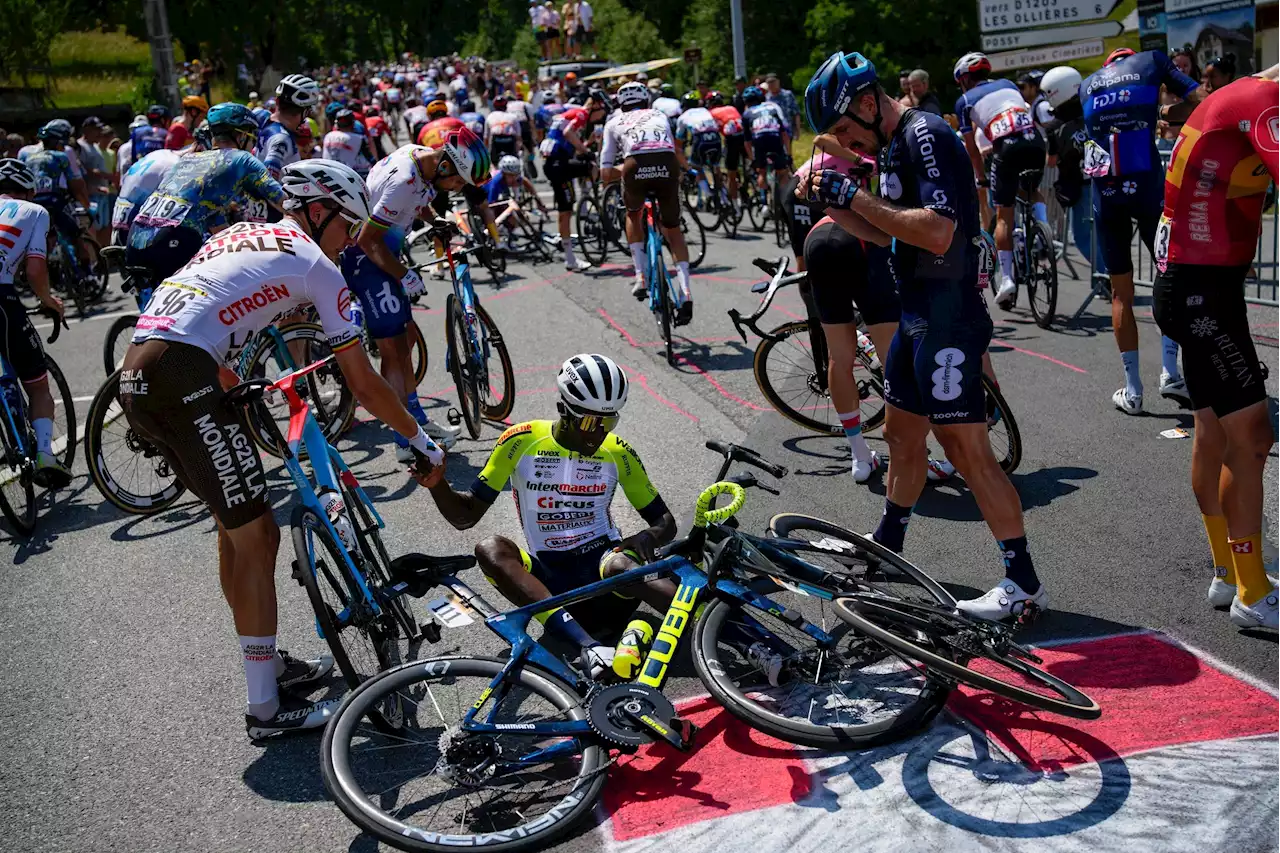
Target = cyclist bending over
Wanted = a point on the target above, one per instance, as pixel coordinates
(640, 137)
(26, 227)
(199, 320)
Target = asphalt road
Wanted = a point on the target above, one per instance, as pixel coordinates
(123, 727)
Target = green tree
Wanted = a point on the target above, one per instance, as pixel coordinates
(29, 30)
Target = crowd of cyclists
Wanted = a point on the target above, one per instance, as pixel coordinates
(244, 215)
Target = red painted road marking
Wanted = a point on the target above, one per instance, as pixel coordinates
(644, 383)
(1050, 358)
(617, 327)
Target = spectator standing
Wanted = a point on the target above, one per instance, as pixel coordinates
(786, 101)
(97, 179)
(925, 99)
(1219, 72)
(739, 86)
(569, 27)
(1061, 89)
(586, 28)
(552, 18)
(904, 89)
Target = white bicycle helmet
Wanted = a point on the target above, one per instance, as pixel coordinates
(509, 165)
(309, 180)
(592, 384)
(632, 94)
(1060, 85)
(299, 90)
(969, 63)
(15, 171)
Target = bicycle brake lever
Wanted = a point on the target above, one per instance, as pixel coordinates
(737, 323)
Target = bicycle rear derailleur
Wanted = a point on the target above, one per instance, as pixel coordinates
(631, 715)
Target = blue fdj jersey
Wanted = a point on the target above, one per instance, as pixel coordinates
(146, 140)
(198, 193)
(52, 171)
(556, 146)
(276, 147)
(542, 118)
(926, 166)
(1121, 106)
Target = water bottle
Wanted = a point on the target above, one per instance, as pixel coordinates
(631, 649)
(868, 349)
(1019, 241)
(336, 511)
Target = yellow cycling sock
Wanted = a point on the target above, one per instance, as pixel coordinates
(493, 231)
(1215, 526)
(1251, 577)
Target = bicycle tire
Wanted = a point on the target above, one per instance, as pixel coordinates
(863, 611)
(663, 310)
(16, 478)
(498, 409)
(696, 242)
(377, 561)
(100, 459)
(64, 413)
(615, 213)
(751, 204)
(112, 351)
(379, 632)
(455, 331)
(780, 234)
(714, 674)
(1008, 451)
(872, 406)
(592, 238)
(361, 808)
(709, 217)
(730, 216)
(417, 351)
(1042, 277)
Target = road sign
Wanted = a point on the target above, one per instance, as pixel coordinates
(996, 16)
(1054, 35)
(693, 55)
(1053, 55)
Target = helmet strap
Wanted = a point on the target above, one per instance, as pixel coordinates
(874, 125)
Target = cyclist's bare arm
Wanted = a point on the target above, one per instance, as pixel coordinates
(975, 156)
(461, 509)
(373, 392)
(371, 242)
(79, 191)
(828, 143)
(38, 278)
(859, 227)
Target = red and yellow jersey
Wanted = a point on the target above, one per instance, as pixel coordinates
(432, 135)
(1221, 165)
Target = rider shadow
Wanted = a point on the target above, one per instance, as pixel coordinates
(702, 357)
(952, 500)
(286, 769)
(830, 455)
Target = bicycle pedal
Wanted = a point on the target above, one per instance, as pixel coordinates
(454, 417)
(430, 632)
(1029, 613)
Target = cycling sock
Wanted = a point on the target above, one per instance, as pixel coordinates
(1215, 527)
(569, 259)
(1251, 578)
(44, 434)
(682, 275)
(1169, 356)
(414, 405)
(892, 531)
(852, 424)
(1017, 564)
(637, 258)
(1006, 263)
(562, 623)
(1132, 375)
(259, 655)
(1040, 212)
(493, 231)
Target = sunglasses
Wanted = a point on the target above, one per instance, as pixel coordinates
(587, 422)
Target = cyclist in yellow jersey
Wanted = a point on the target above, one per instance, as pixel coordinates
(563, 475)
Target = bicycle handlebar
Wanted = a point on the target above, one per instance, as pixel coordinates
(737, 453)
(59, 323)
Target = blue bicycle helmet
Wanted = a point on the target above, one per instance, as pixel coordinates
(752, 95)
(833, 87)
(332, 108)
(229, 116)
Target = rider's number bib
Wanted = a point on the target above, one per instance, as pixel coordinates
(255, 210)
(1162, 243)
(162, 211)
(1097, 162)
(1010, 122)
(120, 214)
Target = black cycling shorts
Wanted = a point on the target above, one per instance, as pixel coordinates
(169, 250)
(935, 369)
(733, 151)
(843, 272)
(171, 396)
(656, 174)
(1117, 203)
(768, 151)
(705, 149)
(501, 146)
(1011, 156)
(800, 214)
(1203, 309)
(565, 571)
(59, 208)
(21, 344)
(561, 174)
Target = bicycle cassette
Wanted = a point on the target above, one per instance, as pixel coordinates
(630, 715)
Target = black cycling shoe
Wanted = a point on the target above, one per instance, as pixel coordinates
(294, 715)
(299, 672)
(684, 313)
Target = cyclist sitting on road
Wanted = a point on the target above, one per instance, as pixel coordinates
(933, 368)
(402, 188)
(563, 475)
(639, 136)
(729, 121)
(199, 320)
(199, 194)
(58, 180)
(698, 129)
(26, 227)
(767, 139)
(565, 159)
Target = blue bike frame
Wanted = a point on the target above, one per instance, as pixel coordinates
(8, 379)
(653, 251)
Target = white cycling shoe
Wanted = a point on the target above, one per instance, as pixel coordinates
(1264, 613)
(1004, 600)
(767, 661)
(445, 435)
(862, 471)
(597, 659)
(939, 470)
(1130, 404)
(578, 265)
(1175, 388)
(639, 288)
(1007, 295)
(1221, 593)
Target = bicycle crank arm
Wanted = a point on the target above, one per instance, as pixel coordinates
(679, 733)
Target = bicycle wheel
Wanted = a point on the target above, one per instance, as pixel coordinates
(839, 694)
(1042, 278)
(64, 414)
(325, 390)
(17, 487)
(127, 469)
(417, 351)
(700, 207)
(780, 234)
(116, 343)
(1002, 428)
(751, 204)
(497, 400)
(695, 238)
(788, 378)
(481, 795)
(663, 310)
(614, 212)
(363, 643)
(946, 642)
(377, 563)
(462, 365)
(730, 215)
(592, 237)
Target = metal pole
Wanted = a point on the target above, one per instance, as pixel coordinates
(739, 46)
(162, 52)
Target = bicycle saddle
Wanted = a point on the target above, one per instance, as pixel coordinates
(246, 393)
(420, 572)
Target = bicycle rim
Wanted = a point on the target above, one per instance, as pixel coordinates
(1042, 288)
(663, 310)
(461, 366)
(1002, 428)
(949, 643)
(591, 238)
(415, 790)
(788, 379)
(615, 215)
(117, 341)
(325, 390)
(500, 396)
(377, 563)
(695, 239)
(128, 470)
(363, 644)
(64, 414)
(418, 351)
(17, 489)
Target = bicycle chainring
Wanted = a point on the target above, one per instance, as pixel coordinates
(610, 713)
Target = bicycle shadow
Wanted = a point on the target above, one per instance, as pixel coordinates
(712, 357)
(832, 451)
